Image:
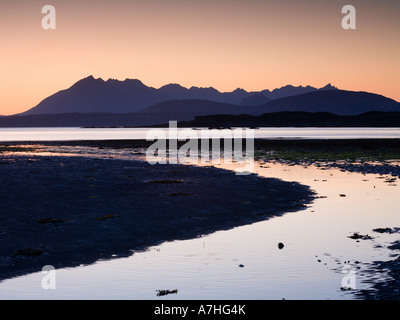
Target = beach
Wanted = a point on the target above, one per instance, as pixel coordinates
(70, 211)
(76, 203)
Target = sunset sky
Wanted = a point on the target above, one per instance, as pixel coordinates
(251, 44)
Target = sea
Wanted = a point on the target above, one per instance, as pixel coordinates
(72, 133)
(317, 261)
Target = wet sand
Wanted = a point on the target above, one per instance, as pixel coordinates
(69, 211)
(92, 206)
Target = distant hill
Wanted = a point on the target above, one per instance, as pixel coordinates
(289, 90)
(297, 119)
(97, 119)
(335, 101)
(279, 119)
(188, 109)
(256, 99)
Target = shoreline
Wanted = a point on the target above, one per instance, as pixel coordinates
(380, 156)
(66, 211)
(379, 288)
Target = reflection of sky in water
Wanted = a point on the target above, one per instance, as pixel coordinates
(71, 134)
(208, 267)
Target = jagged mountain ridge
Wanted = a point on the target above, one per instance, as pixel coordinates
(131, 95)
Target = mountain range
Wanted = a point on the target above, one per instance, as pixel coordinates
(132, 103)
(131, 95)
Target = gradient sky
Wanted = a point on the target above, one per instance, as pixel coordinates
(251, 44)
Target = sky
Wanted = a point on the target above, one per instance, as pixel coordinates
(226, 44)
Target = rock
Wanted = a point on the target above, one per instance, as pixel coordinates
(345, 288)
(384, 230)
(166, 292)
(357, 236)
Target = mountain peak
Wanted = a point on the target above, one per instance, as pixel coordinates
(172, 86)
(135, 82)
(239, 90)
(205, 89)
(87, 79)
(87, 82)
(126, 81)
(329, 87)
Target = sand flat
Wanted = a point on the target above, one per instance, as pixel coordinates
(66, 211)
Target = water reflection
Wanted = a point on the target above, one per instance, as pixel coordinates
(316, 246)
(74, 134)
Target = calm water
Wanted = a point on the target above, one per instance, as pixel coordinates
(208, 267)
(68, 134)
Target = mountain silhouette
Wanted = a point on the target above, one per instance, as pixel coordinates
(96, 95)
(177, 92)
(113, 102)
(91, 95)
(289, 90)
(338, 102)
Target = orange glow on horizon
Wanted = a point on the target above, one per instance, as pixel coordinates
(252, 44)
